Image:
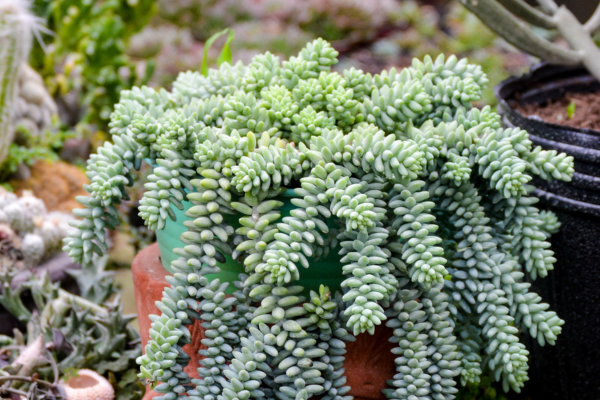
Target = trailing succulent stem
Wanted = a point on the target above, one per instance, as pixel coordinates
(423, 198)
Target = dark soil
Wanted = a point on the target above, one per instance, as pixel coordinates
(586, 115)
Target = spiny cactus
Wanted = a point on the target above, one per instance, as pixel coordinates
(16, 32)
(424, 198)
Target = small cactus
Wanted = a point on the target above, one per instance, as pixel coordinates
(29, 232)
(16, 31)
(35, 108)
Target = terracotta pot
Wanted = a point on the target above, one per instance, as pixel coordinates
(369, 361)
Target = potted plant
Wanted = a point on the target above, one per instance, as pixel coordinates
(555, 104)
(414, 206)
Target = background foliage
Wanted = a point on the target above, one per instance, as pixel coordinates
(84, 62)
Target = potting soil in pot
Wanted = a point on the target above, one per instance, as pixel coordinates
(585, 114)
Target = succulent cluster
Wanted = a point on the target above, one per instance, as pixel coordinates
(66, 334)
(29, 234)
(430, 202)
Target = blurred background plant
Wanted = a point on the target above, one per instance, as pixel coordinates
(68, 333)
(62, 94)
(370, 35)
(27, 149)
(54, 102)
(29, 234)
(83, 328)
(83, 61)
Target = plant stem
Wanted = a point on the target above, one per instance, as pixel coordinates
(516, 33)
(579, 39)
(55, 371)
(594, 22)
(528, 13)
(26, 379)
(549, 6)
(55, 311)
(13, 391)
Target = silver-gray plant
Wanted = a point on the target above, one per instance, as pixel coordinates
(510, 19)
(29, 233)
(435, 225)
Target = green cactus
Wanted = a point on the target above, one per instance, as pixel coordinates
(17, 24)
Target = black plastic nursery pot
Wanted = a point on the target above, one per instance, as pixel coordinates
(571, 368)
(544, 83)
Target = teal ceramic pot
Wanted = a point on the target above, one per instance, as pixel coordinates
(326, 271)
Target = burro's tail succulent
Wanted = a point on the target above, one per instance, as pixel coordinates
(16, 31)
(510, 19)
(423, 199)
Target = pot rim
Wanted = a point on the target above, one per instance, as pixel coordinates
(585, 154)
(590, 195)
(566, 204)
(290, 193)
(582, 182)
(506, 88)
